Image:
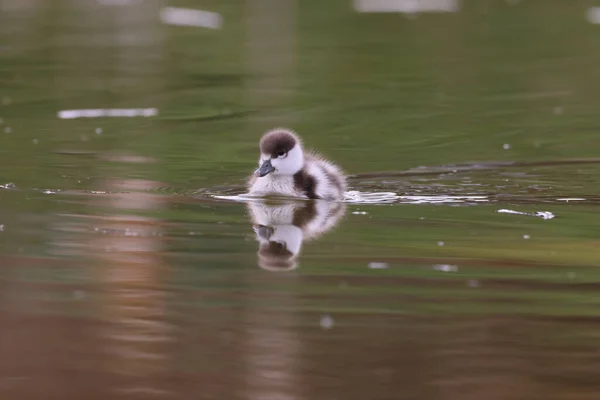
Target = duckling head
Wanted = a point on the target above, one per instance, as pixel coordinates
(279, 246)
(280, 153)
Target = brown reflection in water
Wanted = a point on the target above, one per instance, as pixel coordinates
(126, 249)
(46, 352)
(390, 357)
(138, 335)
(271, 353)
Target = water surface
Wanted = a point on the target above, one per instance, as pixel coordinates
(127, 271)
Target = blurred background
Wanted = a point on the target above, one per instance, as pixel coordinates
(464, 265)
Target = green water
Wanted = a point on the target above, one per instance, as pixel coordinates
(123, 277)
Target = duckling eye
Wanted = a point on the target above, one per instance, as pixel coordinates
(281, 154)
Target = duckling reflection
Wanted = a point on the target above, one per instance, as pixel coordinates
(282, 228)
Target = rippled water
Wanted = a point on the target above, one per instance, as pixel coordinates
(462, 264)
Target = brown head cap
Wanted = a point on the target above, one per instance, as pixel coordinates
(278, 141)
(274, 256)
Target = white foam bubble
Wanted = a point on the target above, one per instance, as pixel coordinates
(445, 268)
(326, 322)
(540, 214)
(378, 265)
(544, 214)
(406, 6)
(108, 112)
(119, 2)
(593, 15)
(439, 199)
(356, 197)
(191, 17)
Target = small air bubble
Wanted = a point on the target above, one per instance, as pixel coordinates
(326, 322)
(2, 228)
(506, 146)
(7, 129)
(473, 283)
(378, 265)
(445, 268)
(440, 243)
(78, 294)
(526, 237)
(98, 131)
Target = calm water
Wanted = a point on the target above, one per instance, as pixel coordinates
(463, 265)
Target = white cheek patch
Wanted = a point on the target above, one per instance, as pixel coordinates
(290, 164)
(291, 235)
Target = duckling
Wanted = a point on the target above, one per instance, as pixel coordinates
(281, 229)
(286, 169)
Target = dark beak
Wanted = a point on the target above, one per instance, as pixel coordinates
(264, 232)
(264, 169)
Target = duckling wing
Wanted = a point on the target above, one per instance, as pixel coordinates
(331, 182)
(325, 217)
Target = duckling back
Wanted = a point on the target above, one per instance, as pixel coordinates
(326, 180)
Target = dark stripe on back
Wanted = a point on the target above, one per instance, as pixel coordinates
(302, 216)
(305, 183)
